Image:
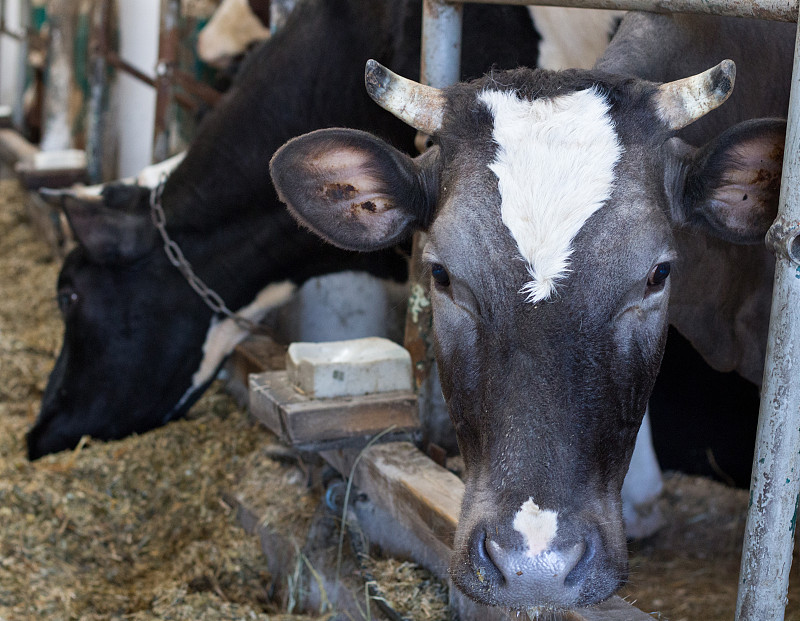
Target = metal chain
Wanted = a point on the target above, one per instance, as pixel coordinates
(176, 257)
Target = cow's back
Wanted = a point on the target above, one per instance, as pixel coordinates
(663, 48)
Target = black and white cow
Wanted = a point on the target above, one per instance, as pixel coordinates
(139, 345)
(566, 212)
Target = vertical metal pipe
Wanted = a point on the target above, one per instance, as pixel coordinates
(98, 89)
(441, 43)
(775, 483)
(440, 66)
(167, 59)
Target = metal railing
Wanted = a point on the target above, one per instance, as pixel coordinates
(775, 485)
(167, 73)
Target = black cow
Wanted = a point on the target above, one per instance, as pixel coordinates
(140, 346)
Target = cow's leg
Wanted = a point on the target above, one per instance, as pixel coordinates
(642, 487)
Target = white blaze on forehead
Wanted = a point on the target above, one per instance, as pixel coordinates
(555, 167)
(538, 527)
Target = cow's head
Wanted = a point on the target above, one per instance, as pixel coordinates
(548, 201)
(133, 329)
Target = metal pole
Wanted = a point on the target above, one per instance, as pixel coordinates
(167, 60)
(440, 66)
(441, 43)
(98, 88)
(775, 483)
(777, 10)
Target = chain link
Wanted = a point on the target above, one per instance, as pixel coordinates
(176, 257)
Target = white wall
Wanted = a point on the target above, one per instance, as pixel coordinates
(11, 77)
(135, 101)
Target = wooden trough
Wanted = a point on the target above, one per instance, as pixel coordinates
(422, 498)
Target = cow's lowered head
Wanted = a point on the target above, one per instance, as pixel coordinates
(131, 326)
(549, 200)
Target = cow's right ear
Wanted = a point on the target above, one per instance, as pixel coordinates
(353, 189)
(113, 226)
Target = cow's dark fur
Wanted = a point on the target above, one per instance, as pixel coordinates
(546, 397)
(133, 327)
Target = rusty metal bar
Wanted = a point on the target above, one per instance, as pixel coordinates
(98, 87)
(115, 61)
(198, 89)
(167, 60)
(775, 482)
(776, 10)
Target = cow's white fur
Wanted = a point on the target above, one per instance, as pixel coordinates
(224, 335)
(149, 177)
(572, 38)
(537, 526)
(231, 29)
(555, 167)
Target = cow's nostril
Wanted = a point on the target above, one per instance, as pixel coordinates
(483, 565)
(584, 567)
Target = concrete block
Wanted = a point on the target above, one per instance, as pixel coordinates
(349, 368)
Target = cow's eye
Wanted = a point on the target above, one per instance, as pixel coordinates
(658, 275)
(66, 299)
(440, 275)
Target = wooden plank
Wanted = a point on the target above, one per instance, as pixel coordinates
(313, 424)
(33, 178)
(256, 354)
(426, 500)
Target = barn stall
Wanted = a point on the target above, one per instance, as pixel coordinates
(150, 527)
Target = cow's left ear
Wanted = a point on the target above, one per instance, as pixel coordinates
(730, 187)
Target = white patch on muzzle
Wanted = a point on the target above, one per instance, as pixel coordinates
(538, 527)
(555, 167)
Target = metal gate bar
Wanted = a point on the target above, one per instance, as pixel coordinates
(776, 10)
(775, 484)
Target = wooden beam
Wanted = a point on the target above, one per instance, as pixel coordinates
(425, 499)
(33, 178)
(318, 424)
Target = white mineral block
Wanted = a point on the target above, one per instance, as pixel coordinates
(349, 368)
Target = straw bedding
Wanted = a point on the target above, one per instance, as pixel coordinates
(137, 529)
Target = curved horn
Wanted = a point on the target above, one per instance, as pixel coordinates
(684, 101)
(420, 106)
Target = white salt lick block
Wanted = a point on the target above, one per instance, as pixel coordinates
(349, 368)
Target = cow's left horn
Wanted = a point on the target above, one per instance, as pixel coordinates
(420, 106)
(684, 101)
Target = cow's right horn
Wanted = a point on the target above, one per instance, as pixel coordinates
(684, 101)
(420, 106)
